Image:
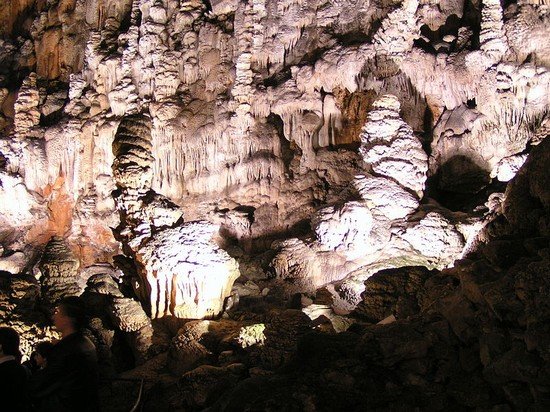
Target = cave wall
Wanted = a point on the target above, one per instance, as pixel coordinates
(256, 114)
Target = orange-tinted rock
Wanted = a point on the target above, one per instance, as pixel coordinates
(354, 107)
(12, 13)
(48, 51)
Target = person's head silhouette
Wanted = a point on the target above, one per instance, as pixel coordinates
(9, 343)
(69, 315)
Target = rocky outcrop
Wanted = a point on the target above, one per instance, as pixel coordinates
(389, 146)
(112, 313)
(472, 336)
(392, 292)
(387, 227)
(27, 115)
(459, 84)
(19, 309)
(265, 342)
(13, 263)
(189, 276)
(183, 272)
(271, 120)
(59, 272)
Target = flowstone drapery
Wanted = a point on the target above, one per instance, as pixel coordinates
(309, 144)
(182, 272)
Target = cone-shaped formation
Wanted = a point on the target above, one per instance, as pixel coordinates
(132, 148)
(59, 269)
(358, 238)
(183, 272)
(391, 149)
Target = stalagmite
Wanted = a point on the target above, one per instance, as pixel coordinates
(187, 166)
(174, 259)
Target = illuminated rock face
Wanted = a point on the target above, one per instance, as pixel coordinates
(183, 272)
(318, 143)
(387, 227)
(241, 117)
(187, 274)
(389, 146)
(326, 126)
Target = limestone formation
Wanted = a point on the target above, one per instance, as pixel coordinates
(13, 263)
(59, 272)
(186, 349)
(389, 146)
(27, 115)
(392, 292)
(128, 315)
(201, 342)
(184, 273)
(111, 311)
(358, 238)
(359, 162)
(458, 341)
(385, 197)
(187, 274)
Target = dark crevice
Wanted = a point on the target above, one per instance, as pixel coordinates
(427, 135)
(287, 153)
(312, 56)
(352, 38)
(278, 78)
(472, 18)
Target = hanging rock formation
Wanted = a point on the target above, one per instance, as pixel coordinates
(387, 227)
(183, 272)
(343, 152)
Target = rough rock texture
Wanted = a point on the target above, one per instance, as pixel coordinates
(389, 146)
(387, 227)
(115, 313)
(315, 143)
(19, 298)
(245, 98)
(188, 276)
(392, 292)
(59, 272)
(183, 272)
(197, 342)
(475, 336)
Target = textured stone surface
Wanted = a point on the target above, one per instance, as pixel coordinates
(187, 274)
(387, 227)
(391, 149)
(322, 139)
(392, 292)
(240, 117)
(59, 272)
(128, 315)
(472, 336)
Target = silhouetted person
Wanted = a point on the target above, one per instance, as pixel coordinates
(13, 376)
(69, 382)
(39, 356)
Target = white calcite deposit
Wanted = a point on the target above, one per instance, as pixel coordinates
(325, 126)
(187, 275)
(231, 185)
(387, 227)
